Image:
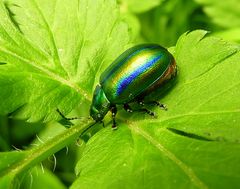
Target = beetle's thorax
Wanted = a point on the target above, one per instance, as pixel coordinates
(100, 104)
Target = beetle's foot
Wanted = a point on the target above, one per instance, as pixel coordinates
(127, 108)
(149, 112)
(162, 106)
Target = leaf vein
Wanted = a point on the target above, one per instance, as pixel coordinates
(55, 51)
(51, 75)
(187, 170)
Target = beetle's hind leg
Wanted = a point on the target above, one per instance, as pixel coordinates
(149, 112)
(156, 103)
(129, 109)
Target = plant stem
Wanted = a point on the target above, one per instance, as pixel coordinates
(51, 146)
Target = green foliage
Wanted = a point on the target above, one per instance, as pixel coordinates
(14, 164)
(167, 22)
(51, 56)
(224, 14)
(53, 53)
(194, 144)
(142, 6)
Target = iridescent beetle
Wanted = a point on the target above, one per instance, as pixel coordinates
(133, 75)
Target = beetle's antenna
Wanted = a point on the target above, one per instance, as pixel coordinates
(84, 131)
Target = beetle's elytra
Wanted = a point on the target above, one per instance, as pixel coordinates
(134, 74)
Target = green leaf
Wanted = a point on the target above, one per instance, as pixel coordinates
(195, 144)
(129, 13)
(134, 24)
(51, 51)
(223, 13)
(205, 100)
(166, 23)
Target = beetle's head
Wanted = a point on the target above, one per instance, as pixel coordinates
(100, 104)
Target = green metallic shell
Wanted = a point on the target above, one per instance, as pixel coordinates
(135, 71)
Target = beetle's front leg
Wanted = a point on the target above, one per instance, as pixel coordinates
(66, 118)
(114, 112)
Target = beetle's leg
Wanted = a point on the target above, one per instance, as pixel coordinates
(127, 108)
(162, 106)
(114, 112)
(140, 102)
(68, 119)
(156, 103)
(149, 112)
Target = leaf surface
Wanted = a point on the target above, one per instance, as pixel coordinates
(195, 144)
(50, 51)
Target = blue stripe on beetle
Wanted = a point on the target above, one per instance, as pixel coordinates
(135, 73)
